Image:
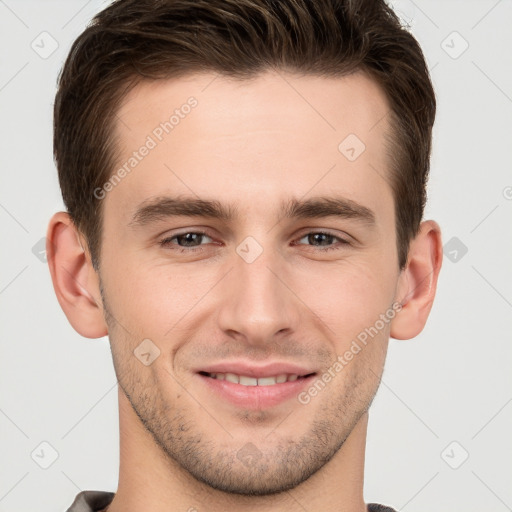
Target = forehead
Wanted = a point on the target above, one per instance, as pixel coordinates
(210, 134)
(333, 104)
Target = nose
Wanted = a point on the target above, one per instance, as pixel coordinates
(257, 305)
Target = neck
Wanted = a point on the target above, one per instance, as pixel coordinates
(149, 480)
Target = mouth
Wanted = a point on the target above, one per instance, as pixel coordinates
(245, 380)
(255, 388)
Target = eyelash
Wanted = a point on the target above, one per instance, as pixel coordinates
(166, 242)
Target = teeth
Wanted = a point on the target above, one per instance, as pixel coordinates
(248, 381)
(266, 381)
(252, 381)
(230, 377)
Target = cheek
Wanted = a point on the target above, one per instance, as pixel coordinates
(349, 297)
(151, 300)
(155, 299)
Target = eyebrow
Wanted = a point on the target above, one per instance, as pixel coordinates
(161, 208)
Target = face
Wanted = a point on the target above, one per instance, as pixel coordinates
(251, 244)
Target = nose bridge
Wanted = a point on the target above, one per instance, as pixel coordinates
(257, 304)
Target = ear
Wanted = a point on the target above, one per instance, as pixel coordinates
(418, 282)
(75, 281)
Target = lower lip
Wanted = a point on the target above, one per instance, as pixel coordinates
(256, 397)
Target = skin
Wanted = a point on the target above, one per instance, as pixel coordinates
(253, 144)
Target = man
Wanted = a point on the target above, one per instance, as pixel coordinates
(244, 184)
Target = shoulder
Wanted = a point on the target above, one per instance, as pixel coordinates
(375, 507)
(91, 501)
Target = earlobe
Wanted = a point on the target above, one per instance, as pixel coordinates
(418, 282)
(74, 279)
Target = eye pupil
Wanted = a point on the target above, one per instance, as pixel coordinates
(190, 237)
(314, 237)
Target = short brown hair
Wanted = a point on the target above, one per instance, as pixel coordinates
(135, 40)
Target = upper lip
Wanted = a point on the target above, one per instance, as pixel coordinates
(257, 371)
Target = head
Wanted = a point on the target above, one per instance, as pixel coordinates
(295, 136)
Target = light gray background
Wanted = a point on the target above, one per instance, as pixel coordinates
(451, 383)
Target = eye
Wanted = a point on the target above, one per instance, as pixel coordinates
(191, 241)
(185, 242)
(324, 240)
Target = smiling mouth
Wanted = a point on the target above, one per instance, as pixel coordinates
(244, 380)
